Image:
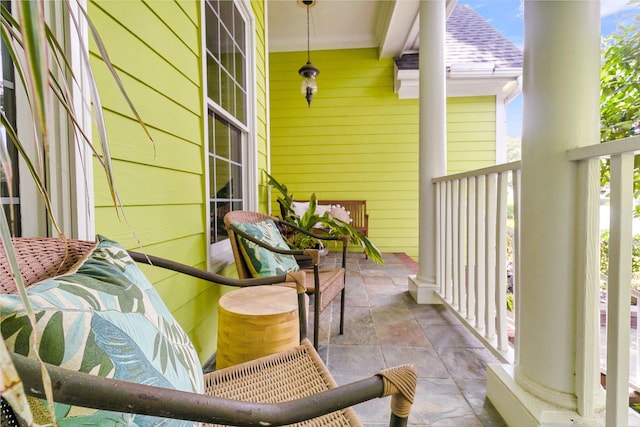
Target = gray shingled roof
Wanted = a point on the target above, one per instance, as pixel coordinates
(471, 39)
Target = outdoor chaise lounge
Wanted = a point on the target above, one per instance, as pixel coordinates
(109, 307)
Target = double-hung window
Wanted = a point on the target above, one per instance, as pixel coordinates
(228, 74)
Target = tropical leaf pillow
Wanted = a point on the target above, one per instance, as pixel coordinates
(105, 319)
(263, 262)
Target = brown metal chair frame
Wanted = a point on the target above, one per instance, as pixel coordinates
(324, 281)
(216, 407)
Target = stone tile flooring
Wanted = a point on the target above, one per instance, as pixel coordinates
(384, 327)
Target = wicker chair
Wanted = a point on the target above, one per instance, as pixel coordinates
(324, 284)
(260, 392)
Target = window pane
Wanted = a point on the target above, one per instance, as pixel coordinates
(213, 79)
(222, 140)
(240, 70)
(226, 51)
(211, 137)
(236, 146)
(228, 91)
(223, 178)
(238, 30)
(226, 13)
(240, 104)
(211, 22)
(221, 210)
(236, 182)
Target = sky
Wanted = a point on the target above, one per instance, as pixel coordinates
(506, 16)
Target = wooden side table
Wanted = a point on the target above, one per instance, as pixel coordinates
(256, 321)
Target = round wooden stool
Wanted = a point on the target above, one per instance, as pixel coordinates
(255, 322)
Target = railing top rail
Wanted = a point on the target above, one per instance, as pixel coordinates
(606, 149)
(479, 172)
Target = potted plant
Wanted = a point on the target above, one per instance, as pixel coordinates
(310, 220)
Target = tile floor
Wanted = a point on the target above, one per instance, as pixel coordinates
(384, 327)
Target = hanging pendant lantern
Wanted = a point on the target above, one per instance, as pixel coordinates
(308, 71)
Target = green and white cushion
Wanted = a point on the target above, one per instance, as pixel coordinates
(105, 319)
(263, 262)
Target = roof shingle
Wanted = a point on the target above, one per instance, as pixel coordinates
(471, 39)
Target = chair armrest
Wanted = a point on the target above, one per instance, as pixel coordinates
(296, 277)
(81, 389)
(207, 275)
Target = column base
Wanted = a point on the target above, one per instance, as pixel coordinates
(423, 292)
(520, 408)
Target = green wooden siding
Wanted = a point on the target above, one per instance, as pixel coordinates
(359, 141)
(161, 186)
(471, 133)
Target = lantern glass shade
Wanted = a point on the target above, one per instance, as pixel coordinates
(309, 83)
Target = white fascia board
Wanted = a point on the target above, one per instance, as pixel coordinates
(462, 83)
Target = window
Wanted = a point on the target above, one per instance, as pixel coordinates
(229, 111)
(66, 167)
(9, 191)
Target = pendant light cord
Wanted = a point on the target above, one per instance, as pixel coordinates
(308, 50)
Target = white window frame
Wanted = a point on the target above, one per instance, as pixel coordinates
(220, 254)
(69, 173)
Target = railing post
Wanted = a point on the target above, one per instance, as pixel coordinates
(490, 249)
(501, 263)
(438, 232)
(516, 260)
(471, 248)
(448, 252)
(443, 237)
(619, 289)
(587, 287)
(455, 242)
(462, 226)
(480, 279)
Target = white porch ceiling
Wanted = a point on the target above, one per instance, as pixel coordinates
(390, 25)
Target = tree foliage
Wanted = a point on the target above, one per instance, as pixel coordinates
(620, 92)
(620, 84)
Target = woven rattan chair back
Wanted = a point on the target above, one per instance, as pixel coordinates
(243, 217)
(42, 258)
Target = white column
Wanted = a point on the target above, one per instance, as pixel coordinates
(560, 111)
(433, 138)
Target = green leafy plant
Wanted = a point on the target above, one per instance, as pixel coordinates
(311, 221)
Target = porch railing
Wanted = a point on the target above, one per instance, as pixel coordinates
(478, 249)
(473, 256)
